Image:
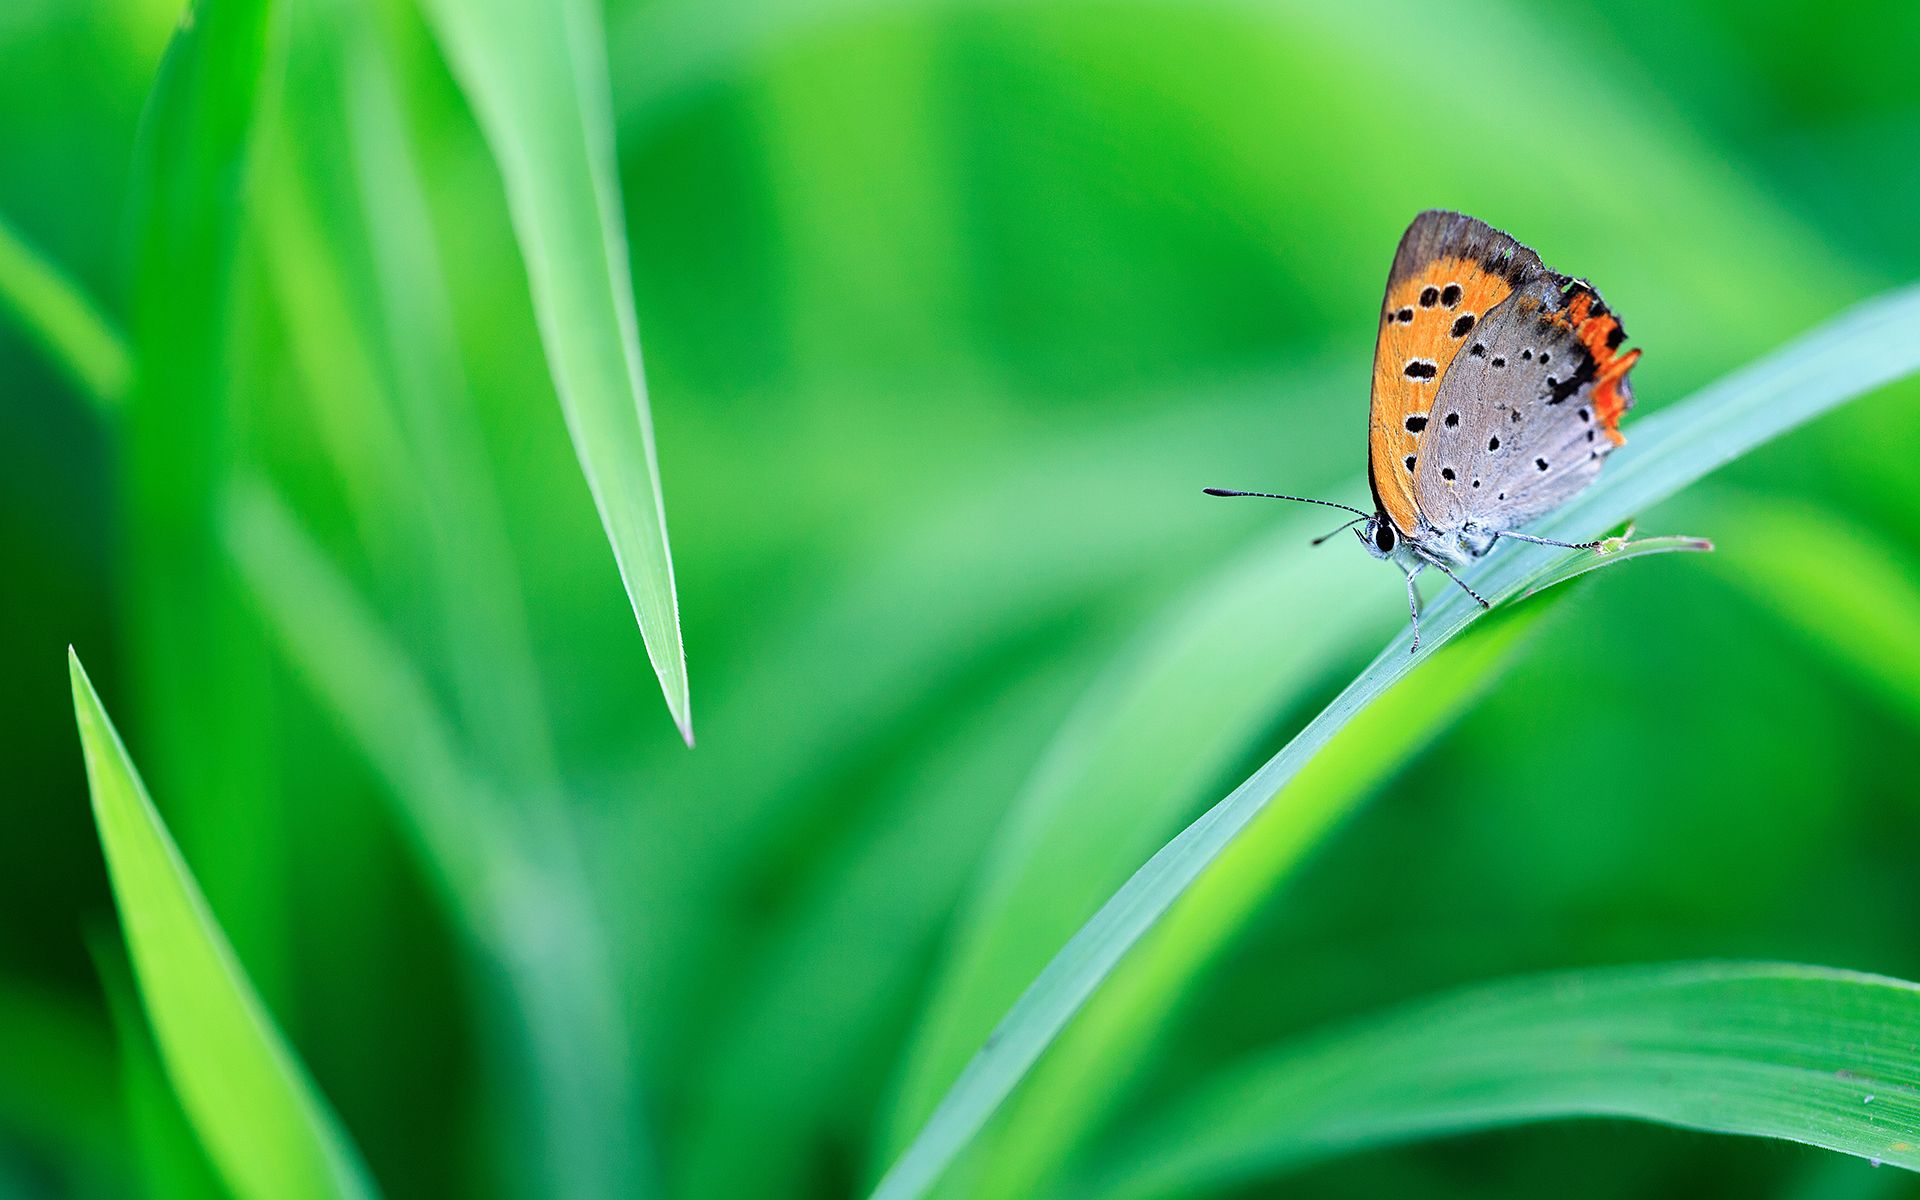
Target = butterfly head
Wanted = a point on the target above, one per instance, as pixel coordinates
(1379, 536)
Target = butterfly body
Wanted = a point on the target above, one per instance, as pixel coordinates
(1498, 387)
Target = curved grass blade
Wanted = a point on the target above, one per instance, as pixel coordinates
(1823, 1057)
(1133, 761)
(64, 320)
(1851, 355)
(1084, 1079)
(536, 76)
(267, 1130)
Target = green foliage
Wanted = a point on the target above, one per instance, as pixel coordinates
(1828, 367)
(1815, 1056)
(315, 314)
(251, 1102)
(537, 78)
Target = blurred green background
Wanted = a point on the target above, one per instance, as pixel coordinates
(949, 310)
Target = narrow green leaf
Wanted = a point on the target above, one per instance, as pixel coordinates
(1828, 1058)
(536, 76)
(63, 319)
(1084, 1079)
(1847, 357)
(268, 1131)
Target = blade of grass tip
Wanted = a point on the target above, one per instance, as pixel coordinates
(514, 885)
(267, 1130)
(536, 77)
(1863, 349)
(1847, 593)
(1823, 1057)
(56, 313)
(1084, 1079)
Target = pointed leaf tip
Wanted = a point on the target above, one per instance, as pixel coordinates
(267, 1130)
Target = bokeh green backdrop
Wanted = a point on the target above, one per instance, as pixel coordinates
(949, 310)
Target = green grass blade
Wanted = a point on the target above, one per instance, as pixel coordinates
(1084, 1079)
(1828, 1058)
(537, 79)
(1851, 355)
(269, 1133)
(63, 319)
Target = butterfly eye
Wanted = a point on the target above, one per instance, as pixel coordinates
(1383, 536)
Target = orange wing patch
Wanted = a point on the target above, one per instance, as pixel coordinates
(1600, 332)
(1428, 318)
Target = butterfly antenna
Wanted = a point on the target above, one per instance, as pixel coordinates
(1302, 499)
(1349, 525)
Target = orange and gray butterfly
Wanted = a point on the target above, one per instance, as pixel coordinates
(1524, 419)
(1449, 275)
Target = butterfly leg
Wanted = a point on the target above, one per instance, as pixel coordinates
(1478, 598)
(1413, 609)
(1540, 541)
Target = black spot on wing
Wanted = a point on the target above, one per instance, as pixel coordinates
(1421, 368)
(1559, 390)
(1462, 325)
(1450, 295)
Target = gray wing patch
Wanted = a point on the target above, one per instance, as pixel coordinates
(1511, 434)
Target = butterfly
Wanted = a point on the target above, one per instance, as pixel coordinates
(1498, 387)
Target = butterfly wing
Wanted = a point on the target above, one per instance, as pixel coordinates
(1449, 273)
(1524, 419)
